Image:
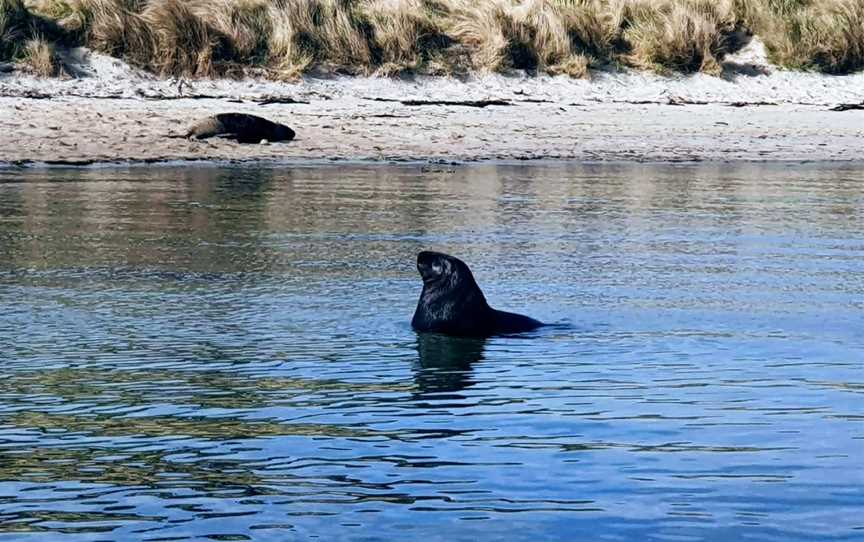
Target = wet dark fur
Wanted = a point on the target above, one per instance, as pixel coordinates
(452, 303)
(240, 126)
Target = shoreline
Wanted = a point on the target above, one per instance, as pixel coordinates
(83, 131)
(119, 116)
(435, 165)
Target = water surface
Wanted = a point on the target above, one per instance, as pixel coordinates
(225, 354)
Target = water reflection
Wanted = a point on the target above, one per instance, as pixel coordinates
(444, 363)
(218, 428)
(224, 354)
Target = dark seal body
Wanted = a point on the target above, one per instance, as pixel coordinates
(240, 126)
(452, 303)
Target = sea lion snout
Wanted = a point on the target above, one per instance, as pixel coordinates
(283, 133)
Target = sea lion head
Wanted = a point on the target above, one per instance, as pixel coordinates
(435, 267)
(451, 301)
(282, 133)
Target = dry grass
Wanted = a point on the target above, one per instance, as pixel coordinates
(115, 28)
(291, 39)
(40, 58)
(556, 36)
(243, 24)
(403, 33)
(681, 35)
(29, 39)
(182, 41)
(14, 28)
(824, 35)
(284, 39)
(305, 34)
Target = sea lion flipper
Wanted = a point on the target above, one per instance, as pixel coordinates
(511, 322)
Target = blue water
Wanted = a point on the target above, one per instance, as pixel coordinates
(225, 354)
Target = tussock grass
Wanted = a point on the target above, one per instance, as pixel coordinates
(16, 27)
(404, 34)
(182, 42)
(114, 27)
(244, 25)
(307, 34)
(40, 58)
(283, 39)
(556, 36)
(29, 40)
(528, 35)
(682, 35)
(824, 35)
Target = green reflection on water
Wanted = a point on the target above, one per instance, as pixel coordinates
(209, 390)
(162, 426)
(33, 519)
(105, 466)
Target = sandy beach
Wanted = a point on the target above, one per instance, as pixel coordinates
(112, 113)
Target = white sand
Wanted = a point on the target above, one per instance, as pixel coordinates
(112, 112)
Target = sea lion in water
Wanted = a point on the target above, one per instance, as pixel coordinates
(452, 303)
(240, 126)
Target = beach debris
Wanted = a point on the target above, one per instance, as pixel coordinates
(848, 107)
(241, 127)
(678, 100)
(455, 103)
(271, 99)
(156, 94)
(28, 94)
(669, 100)
(747, 104)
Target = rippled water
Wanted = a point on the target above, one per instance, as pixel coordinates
(225, 354)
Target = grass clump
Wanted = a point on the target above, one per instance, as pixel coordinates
(404, 35)
(555, 36)
(824, 35)
(283, 39)
(680, 35)
(15, 28)
(41, 59)
(182, 42)
(29, 40)
(243, 25)
(115, 28)
(166, 37)
(834, 35)
(307, 34)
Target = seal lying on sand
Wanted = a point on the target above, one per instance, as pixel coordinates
(240, 126)
(452, 303)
